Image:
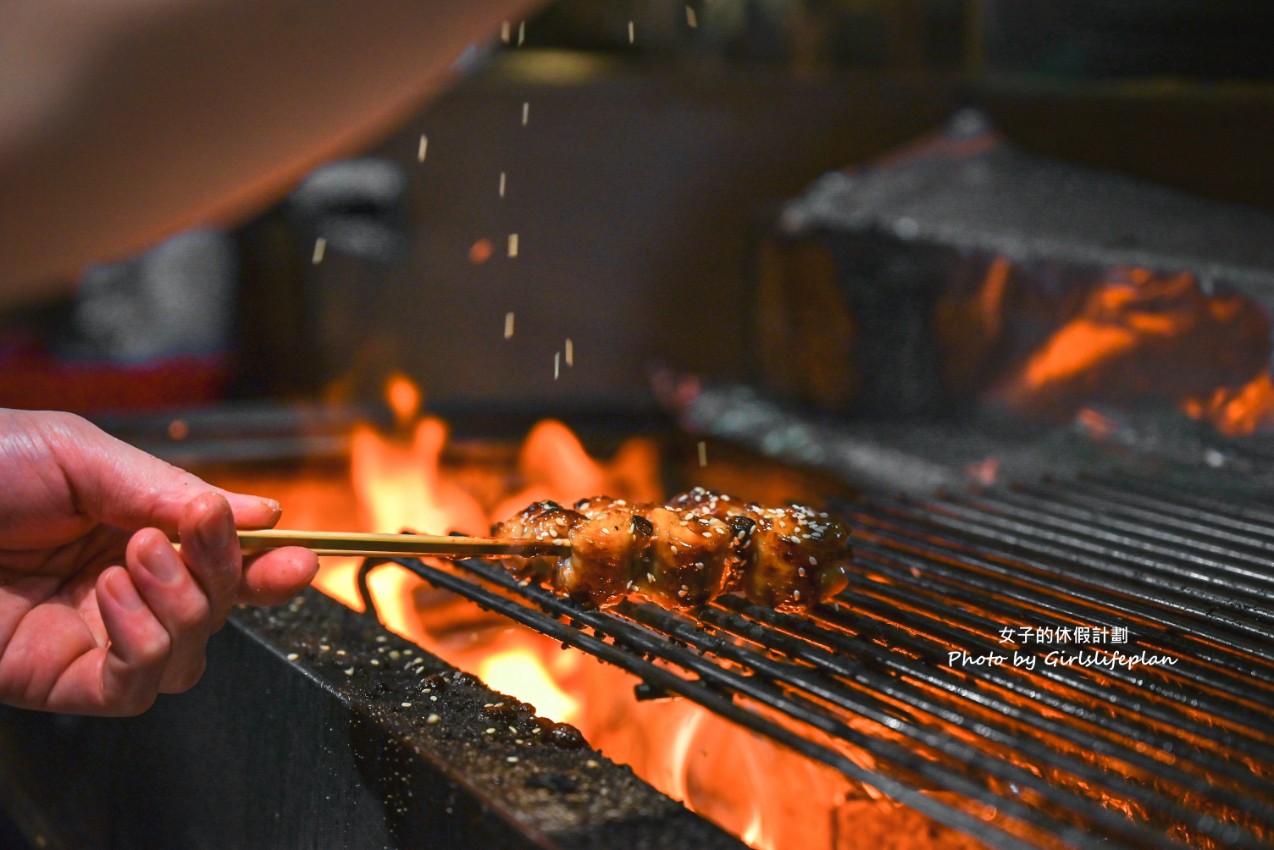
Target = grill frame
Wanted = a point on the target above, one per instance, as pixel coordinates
(937, 570)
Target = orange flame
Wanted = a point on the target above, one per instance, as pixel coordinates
(1139, 338)
(768, 796)
(1235, 413)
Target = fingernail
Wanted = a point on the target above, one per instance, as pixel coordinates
(122, 589)
(216, 532)
(161, 561)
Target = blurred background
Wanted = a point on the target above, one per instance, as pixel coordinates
(584, 203)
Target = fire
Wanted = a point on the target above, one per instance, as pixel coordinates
(1235, 413)
(1143, 338)
(768, 796)
(404, 398)
(519, 672)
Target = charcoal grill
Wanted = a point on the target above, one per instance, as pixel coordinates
(1170, 755)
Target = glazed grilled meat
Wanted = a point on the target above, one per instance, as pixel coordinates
(545, 521)
(687, 553)
(796, 556)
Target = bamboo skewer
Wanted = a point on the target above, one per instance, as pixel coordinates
(389, 545)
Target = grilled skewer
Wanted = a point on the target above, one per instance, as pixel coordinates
(686, 553)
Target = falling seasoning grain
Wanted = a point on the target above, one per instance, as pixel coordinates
(513, 244)
(691, 18)
(521, 33)
(505, 28)
(508, 326)
(423, 148)
(503, 180)
(320, 248)
(526, 112)
(632, 33)
(570, 353)
(557, 364)
(703, 453)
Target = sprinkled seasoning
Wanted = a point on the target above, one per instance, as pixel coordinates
(521, 33)
(703, 453)
(505, 30)
(508, 325)
(423, 148)
(320, 248)
(557, 364)
(570, 352)
(526, 112)
(432, 719)
(513, 244)
(632, 33)
(691, 18)
(503, 180)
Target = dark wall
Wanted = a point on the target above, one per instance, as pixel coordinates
(632, 194)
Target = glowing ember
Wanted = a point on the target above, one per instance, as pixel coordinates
(1246, 410)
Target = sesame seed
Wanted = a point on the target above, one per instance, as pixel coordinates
(349, 671)
(432, 719)
(526, 112)
(292, 656)
(490, 730)
(521, 33)
(423, 148)
(512, 759)
(508, 326)
(570, 353)
(502, 181)
(557, 364)
(692, 19)
(325, 647)
(505, 30)
(320, 248)
(513, 245)
(632, 33)
(406, 705)
(796, 594)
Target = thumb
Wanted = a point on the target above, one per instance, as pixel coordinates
(121, 485)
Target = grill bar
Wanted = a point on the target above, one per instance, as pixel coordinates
(639, 643)
(1127, 725)
(1086, 754)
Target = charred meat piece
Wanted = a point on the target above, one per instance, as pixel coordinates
(799, 557)
(603, 550)
(690, 560)
(796, 556)
(547, 521)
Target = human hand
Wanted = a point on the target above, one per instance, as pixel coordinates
(99, 613)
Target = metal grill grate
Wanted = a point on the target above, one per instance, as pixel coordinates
(1178, 755)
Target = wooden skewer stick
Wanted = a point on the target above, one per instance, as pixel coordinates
(388, 545)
